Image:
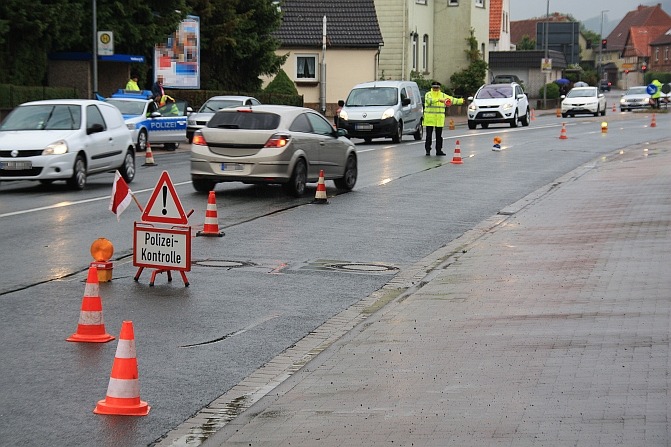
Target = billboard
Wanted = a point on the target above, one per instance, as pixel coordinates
(178, 60)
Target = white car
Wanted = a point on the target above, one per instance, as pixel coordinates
(65, 139)
(635, 98)
(199, 119)
(499, 103)
(583, 100)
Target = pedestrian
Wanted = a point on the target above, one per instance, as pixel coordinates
(157, 88)
(655, 97)
(435, 103)
(336, 117)
(132, 82)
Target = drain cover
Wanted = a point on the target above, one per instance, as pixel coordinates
(365, 268)
(224, 263)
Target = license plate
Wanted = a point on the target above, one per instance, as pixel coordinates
(488, 115)
(364, 126)
(16, 165)
(231, 167)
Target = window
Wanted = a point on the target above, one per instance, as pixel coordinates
(656, 54)
(421, 2)
(666, 53)
(452, 2)
(414, 51)
(480, 3)
(425, 53)
(319, 125)
(93, 116)
(306, 67)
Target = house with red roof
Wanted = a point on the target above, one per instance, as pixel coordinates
(660, 53)
(499, 25)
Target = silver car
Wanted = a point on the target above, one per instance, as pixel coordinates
(65, 139)
(271, 144)
(635, 98)
(199, 119)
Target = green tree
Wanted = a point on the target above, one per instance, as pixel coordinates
(237, 42)
(527, 43)
(468, 80)
(281, 84)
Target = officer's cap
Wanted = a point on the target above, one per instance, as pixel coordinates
(435, 84)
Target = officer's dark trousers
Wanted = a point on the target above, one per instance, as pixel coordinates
(429, 137)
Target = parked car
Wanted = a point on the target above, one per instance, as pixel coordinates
(498, 103)
(271, 144)
(65, 139)
(199, 119)
(583, 100)
(383, 109)
(604, 85)
(150, 122)
(635, 98)
(507, 79)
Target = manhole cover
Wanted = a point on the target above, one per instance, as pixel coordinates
(224, 264)
(377, 268)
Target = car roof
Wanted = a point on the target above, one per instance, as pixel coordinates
(383, 84)
(272, 108)
(239, 97)
(63, 101)
(584, 88)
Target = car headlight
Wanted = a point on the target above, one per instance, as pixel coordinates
(472, 107)
(190, 122)
(58, 148)
(389, 113)
(622, 101)
(508, 106)
(343, 115)
(130, 126)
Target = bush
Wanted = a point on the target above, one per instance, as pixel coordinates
(13, 95)
(281, 84)
(552, 91)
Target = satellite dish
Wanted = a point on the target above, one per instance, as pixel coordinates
(666, 89)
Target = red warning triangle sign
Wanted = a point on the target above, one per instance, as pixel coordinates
(164, 205)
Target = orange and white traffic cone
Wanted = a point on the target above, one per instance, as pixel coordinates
(149, 157)
(456, 159)
(320, 195)
(533, 114)
(211, 225)
(614, 109)
(562, 134)
(653, 123)
(123, 390)
(91, 328)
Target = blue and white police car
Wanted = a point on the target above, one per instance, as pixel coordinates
(149, 121)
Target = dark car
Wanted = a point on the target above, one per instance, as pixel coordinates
(604, 85)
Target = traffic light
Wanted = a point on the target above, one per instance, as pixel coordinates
(604, 43)
(644, 68)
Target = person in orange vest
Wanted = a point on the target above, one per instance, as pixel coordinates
(435, 103)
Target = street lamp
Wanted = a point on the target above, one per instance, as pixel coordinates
(600, 71)
(545, 35)
(95, 48)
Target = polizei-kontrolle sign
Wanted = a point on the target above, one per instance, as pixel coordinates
(162, 248)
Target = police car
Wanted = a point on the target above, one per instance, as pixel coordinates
(149, 121)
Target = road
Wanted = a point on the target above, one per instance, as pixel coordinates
(284, 267)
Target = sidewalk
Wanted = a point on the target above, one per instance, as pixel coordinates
(548, 324)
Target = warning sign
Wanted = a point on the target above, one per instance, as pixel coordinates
(164, 205)
(162, 248)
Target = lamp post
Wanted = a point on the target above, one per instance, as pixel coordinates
(545, 35)
(600, 71)
(95, 49)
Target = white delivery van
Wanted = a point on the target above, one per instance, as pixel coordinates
(383, 109)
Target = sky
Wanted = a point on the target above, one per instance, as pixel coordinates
(583, 10)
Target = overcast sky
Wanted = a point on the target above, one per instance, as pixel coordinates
(581, 10)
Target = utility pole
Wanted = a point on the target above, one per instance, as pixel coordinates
(95, 49)
(600, 71)
(545, 35)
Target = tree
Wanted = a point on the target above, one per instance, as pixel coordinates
(527, 43)
(468, 80)
(282, 84)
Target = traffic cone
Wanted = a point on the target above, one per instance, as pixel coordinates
(604, 127)
(614, 109)
(456, 159)
(451, 124)
(320, 195)
(562, 135)
(91, 328)
(149, 157)
(123, 390)
(558, 113)
(533, 114)
(211, 225)
(497, 144)
(653, 123)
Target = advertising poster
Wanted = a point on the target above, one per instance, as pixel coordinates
(178, 60)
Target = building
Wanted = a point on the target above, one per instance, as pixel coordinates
(660, 53)
(499, 26)
(526, 65)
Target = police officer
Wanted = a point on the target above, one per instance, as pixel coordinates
(435, 103)
(132, 83)
(657, 95)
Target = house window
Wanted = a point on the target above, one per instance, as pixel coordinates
(421, 2)
(480, 3)
(656, 54)
(452, 2)
(306, 67)
(666, 53)
(425, 53)
(414, 52)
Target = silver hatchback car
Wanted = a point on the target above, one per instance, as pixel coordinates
(199, 119)
(271, 144)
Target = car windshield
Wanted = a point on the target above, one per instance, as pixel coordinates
(495, 91)
(216, 104)
(372, 96)
(128, 107)
(637, 91)
(582, 93)
(43, 117)
(245, 120)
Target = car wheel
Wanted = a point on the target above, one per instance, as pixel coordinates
(597, 111)
(170, 146)
(296, 184)
(513, 123)
(203, 185)
(348, 180)
(526, 118)
(485, 125)
(189, 137)
(398, 136)
(141, 141)
(603, 112)
(419, 134)
(127, 170)
(367, 140)
(78, 179)
(471, 124)
(564, 115)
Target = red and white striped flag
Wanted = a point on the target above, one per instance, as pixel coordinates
(121, 196)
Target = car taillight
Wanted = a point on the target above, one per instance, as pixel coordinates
(277, 140)
(199, 139)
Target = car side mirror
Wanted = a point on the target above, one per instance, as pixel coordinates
(470, 98)
(342, 133)
(95, 128)
(405, 101)
(189, 110)
(155, 114)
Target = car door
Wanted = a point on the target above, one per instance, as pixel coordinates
(170, 126)
(100, 145)
(522, 103)
(331, 150)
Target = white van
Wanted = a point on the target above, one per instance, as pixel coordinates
(383, 109)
